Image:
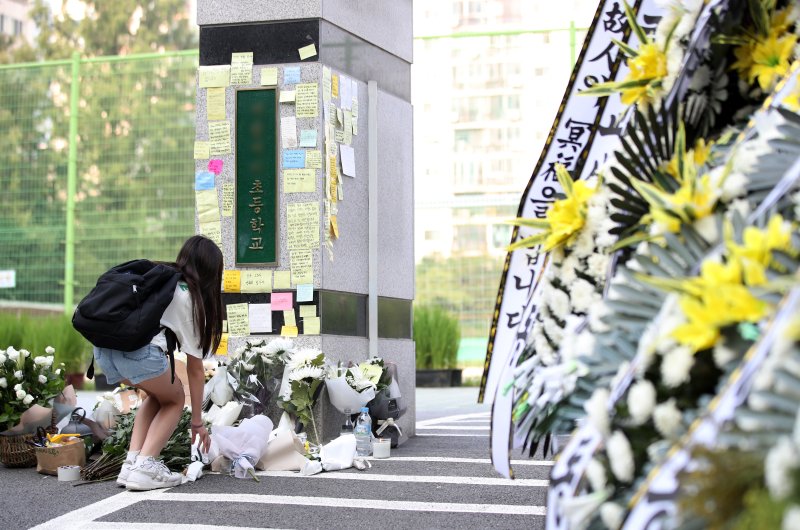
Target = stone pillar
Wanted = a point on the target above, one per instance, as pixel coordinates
(365, 41)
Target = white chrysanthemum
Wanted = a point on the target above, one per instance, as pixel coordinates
(675, 366)
(668, 419)
(27, 400)
(605, 239)
(612, 514)
(247, 367)
(18, 375)
(302, 357)
(598, 312)
(12, 353)
(42, 379)
(553, 330)
(558, 301)
(707, 228)
(237, 353)
(596, 475)
(3, 382)
(778, 467)
(791, 518)
(620, 456)
(641, 401)
(307, 372)
(597, 265)
(567, 272)
(358, 380)
(584, 344)
(49, 350)
(596, 408)
(584, 244)
(723, 355)
(21, 394)
(279, 346)
(582, 294)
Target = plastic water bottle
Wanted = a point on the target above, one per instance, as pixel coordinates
(347, 426)
(363, 432)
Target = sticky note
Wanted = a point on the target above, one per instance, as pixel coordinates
(335, 85)
(302, 225)
(224, 325)
(281, 301)
(302, 266)
(207, 205)
(256, 281)
(311, 326)
(215, 166)
(291, 75)
(238, 320)
(287, 96)
(282, 280)
(222, 349)
(214, 76)
(231, 281)
(293, 158)
(213, 231)
(307, 310)
(202, 150)
(242, 68)
(219, 134)
(348, 127)
(344, 92)
(326, 84)
(307, 51)
(215, 104)
(289, 132)
(334, 227)
(348, 158)
(203, 180)
(288, 318)
(260, 318)
(313, 159)
(307, 100)
(269, 76)
(289, 331)
(308, 138)
(305, 292)
(227, 200)
(339, 136)
(299, 181)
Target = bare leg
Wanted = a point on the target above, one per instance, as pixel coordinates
(170, 399)
(141, 424)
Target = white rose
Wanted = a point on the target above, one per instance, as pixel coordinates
(3, 382)
(58, 372)
(25, 353)
(49, 360)
(620, 456)
(18, 375)
(21, 394)
(49, 350)
(27, 400)
(3, 358)
(612, 514)
(668, 419)
(17, 386)
(675, 366)
(641, 400)
(42, 379)
(39, 360)
(12, 354)
(596, 408)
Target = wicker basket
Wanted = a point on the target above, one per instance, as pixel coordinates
(14, 452)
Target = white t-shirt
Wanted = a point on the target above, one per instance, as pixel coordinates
(179, 318)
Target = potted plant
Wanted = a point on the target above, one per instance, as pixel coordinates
(437, 334)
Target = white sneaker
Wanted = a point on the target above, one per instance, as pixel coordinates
(122, 478)
(151, 474)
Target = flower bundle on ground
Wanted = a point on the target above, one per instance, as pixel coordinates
(26, 379)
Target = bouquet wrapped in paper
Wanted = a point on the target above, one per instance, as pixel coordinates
(244, 445)
(350, 388)
(304, 374)
(255, 370)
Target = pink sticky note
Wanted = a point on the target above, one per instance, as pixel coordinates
(215, 166)
(281, 301)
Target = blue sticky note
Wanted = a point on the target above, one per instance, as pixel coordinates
(203, 180)
(291, 75)
(305, 292)
(294, 158)
(308, 138)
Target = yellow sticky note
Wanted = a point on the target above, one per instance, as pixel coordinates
(222, 349)
(214, 76)
(224, 325)
(213, 231)
(269, 76)
(287, 96)
(307, 51)
(227, 199)
(242, 68)
(334, 227)
(256, 281)
(238, 320)
(335, 85)
(231, 281)
(313, 159)
(207, 205)
(308, 310)
(302, 225)
(311, 326)
(202, 150)
(289, 331)
(302, 266)
(215, 104)
(283, 280)
(219, 134)
(288, 318)
(307, 100)
(299, 181)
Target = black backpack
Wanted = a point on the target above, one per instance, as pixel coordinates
(123, 311)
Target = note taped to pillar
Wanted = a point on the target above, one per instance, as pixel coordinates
(256, 175)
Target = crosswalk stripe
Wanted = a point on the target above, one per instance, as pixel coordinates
(445, 419)
(454, 427)
(460, 460)
(113, 525)
(452, 434)
(472, 481)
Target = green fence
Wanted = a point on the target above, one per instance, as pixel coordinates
(96, 161)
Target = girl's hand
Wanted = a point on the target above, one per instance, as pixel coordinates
(201, 434)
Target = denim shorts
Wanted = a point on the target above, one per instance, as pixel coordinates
(135, 366)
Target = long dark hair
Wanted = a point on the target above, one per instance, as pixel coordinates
(200, 262)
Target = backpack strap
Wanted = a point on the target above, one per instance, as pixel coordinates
(172, 345)
(90, 371)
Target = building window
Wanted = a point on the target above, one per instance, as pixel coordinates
(17, 27)
(2, 24)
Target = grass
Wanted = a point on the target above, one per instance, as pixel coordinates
(437, 334)
(35, 333)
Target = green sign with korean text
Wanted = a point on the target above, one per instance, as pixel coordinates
(256, 166)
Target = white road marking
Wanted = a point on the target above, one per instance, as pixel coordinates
(462, 460)
(472, 481)
(449, 434)
(77, 519)
(454, 427)
(446, 419)
(114, 525)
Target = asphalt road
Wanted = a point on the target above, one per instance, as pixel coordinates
(441, 478)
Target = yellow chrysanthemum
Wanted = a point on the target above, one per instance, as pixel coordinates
(755, 253)
(792, 101)
(699, 156)
(694, 200)
(771, 60)
(649, 64)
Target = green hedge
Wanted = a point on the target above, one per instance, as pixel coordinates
(35, 333)
(437, 335)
